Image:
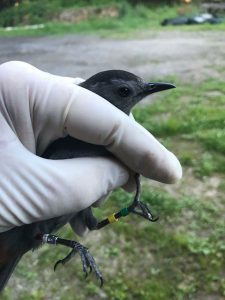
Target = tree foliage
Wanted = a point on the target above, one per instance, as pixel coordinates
(8, 3)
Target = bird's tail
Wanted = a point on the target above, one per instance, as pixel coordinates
(7, 270)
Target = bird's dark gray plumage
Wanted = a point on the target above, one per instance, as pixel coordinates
(123, 90)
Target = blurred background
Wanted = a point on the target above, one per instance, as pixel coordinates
(182, 256)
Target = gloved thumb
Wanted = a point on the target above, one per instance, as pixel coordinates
(35, 189)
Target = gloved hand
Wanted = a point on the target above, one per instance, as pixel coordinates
(37, 108)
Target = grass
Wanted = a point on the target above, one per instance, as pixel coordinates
(197, 121)
(182, 256)
(130, 20)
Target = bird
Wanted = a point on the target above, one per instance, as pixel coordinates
(123, 90)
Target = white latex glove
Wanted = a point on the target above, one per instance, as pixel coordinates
(37, 108)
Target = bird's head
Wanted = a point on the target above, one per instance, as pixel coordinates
(123, 89)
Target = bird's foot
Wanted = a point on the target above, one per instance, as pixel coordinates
(138, 207)
(87, 259)
(143, 210)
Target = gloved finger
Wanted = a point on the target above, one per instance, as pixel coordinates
(74, 80)
(49, 108)
(78, 80)
(127, 140)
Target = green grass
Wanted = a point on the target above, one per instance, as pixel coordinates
(130, 20)
(192, 121)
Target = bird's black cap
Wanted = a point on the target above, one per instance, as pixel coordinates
(112, 74)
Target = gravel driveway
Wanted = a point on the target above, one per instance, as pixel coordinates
(187, 55)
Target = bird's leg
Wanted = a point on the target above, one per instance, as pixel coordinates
(86, 258)
(138, 207)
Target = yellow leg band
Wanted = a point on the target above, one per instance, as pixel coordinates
(112, 218)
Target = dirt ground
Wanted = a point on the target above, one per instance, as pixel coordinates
(186, 55)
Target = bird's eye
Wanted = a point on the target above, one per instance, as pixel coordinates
(124, 91)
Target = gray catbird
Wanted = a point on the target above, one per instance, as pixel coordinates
(122, 89)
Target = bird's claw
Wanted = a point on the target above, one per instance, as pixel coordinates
(143, 210)
(65, 259)
(86, 258)
(138, 207)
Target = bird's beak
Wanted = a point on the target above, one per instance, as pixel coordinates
(153, 87)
